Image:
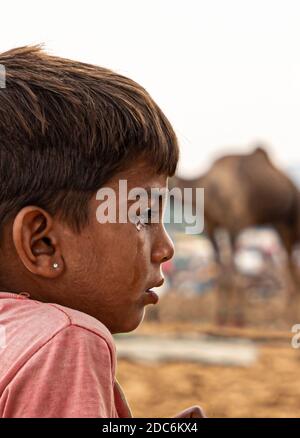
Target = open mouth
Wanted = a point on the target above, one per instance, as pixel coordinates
(151, 296)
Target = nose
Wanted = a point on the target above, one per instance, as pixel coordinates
(163, 248)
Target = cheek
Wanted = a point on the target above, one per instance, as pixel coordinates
(141, 244)
(140, 266)
(85, 262)
(121, 256)
(133, 256)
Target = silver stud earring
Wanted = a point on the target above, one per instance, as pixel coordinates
(55, 265)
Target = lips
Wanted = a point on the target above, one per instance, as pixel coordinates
(157, 283)
(152, 297)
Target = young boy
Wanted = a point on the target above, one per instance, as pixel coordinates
(68, 280)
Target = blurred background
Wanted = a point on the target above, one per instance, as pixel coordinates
(226, 73)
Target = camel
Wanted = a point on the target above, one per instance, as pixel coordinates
(243, 191)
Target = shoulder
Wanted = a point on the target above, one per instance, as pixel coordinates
(83, 322)
(88, 330)
(33, 327)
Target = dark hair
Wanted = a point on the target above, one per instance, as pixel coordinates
(67, 127)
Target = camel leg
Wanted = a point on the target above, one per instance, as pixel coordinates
(291, 276)
(230, 305)
(221, 289)
(223, 293)
(238, 304)
(292, 299)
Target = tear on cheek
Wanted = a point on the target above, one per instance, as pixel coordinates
(138, 226)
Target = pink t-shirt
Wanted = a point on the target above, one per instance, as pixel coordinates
(56, 362)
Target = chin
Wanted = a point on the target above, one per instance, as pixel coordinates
(130, 324)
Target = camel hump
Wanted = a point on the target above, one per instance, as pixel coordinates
(260, 150)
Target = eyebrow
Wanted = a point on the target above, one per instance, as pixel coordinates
(149, 189)
(152, 196)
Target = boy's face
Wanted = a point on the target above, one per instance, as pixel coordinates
(109, 266)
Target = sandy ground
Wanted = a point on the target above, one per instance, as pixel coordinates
(268, 388)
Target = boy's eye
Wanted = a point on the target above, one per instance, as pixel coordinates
(150, 216)
(145, 218)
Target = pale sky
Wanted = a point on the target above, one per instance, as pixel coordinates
(225, 72)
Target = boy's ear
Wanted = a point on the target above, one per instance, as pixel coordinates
(37, 243)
